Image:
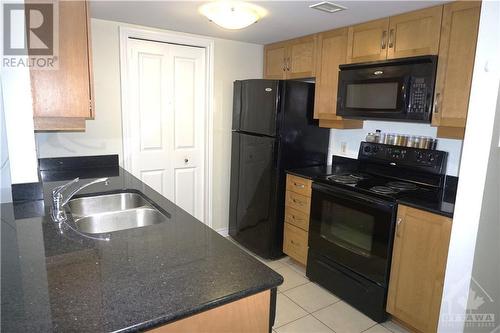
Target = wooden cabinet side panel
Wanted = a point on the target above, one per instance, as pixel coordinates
(248, 315)
(456, 62)
(418, 266)
(415, 33)
(65, 92)
(332, 52)
(367, 41)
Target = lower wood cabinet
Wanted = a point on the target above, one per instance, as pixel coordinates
(418, 267)
(296, 228)
(249, 314)
(295, 243)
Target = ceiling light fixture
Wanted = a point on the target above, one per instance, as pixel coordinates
(232, 14)
(328, 7)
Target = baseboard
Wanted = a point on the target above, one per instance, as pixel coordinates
(223, 231)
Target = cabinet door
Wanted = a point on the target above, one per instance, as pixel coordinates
(295, 243)
(274, 61)
(62, 97)
(368, 41)
(300, 60)
(418, 266)
(416, 33)
(456, 61)
(332, 50)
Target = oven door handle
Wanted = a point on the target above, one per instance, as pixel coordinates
(335, 191)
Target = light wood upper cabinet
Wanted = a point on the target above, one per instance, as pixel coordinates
(62, 98)
(274, 61)
(291, 59)
(456, 61)
(406, 35)
(418, 267)
(301, 57)
(415, 33)
(368, 41)
(331, 52)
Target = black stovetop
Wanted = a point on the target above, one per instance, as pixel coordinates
(388, 188)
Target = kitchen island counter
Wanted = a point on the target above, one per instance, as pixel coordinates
(57, 280)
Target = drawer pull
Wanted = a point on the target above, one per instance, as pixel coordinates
(299, 185)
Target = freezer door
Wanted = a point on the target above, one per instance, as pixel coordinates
(253, 203)
(258, 109)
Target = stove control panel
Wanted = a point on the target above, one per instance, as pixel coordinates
(428, 160)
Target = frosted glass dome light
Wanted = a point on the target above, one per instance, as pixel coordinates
(232, 14)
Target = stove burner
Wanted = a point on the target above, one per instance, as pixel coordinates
(343, 179)
(402, 186)
(383, 190)
(359, 175)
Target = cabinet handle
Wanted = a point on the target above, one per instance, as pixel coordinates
(288, 64)
(436, 103)
(399, 221)
(284, 64)
(391, 38)
(299, 185)
(382, 42)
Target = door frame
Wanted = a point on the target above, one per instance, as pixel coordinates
(171, 37)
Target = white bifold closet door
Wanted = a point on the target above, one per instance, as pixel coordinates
(166, 120)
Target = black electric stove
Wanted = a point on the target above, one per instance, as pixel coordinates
(353, 217)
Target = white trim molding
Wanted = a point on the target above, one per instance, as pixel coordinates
(172, 37)
(224, 232)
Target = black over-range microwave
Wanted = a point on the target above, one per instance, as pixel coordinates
(399, 89)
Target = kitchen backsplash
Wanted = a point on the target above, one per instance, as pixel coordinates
(346, 142)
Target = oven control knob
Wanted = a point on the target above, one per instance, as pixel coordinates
(368, 149)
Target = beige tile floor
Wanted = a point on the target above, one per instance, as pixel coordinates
(305, 307)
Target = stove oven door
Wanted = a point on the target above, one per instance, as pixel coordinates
(353, 230)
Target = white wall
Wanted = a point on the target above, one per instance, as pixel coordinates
(5, 191)
(232, 60)
(353, 137)
(469, 206)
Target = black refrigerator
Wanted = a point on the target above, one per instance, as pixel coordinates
(273, 131)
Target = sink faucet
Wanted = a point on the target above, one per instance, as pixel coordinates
(59, 201)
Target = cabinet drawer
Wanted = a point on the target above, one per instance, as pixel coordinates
(295, 243)
(297, 201)
(298, 185)
(297, 218)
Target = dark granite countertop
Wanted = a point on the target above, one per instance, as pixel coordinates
(443, 206)
(141, 278)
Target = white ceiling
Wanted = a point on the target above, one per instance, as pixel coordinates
(285, 19)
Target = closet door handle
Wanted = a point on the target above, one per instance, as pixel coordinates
(383, 41)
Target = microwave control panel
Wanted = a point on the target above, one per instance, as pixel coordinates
(419, 96)
(426, 159)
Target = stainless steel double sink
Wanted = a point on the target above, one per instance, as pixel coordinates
(112, 212)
